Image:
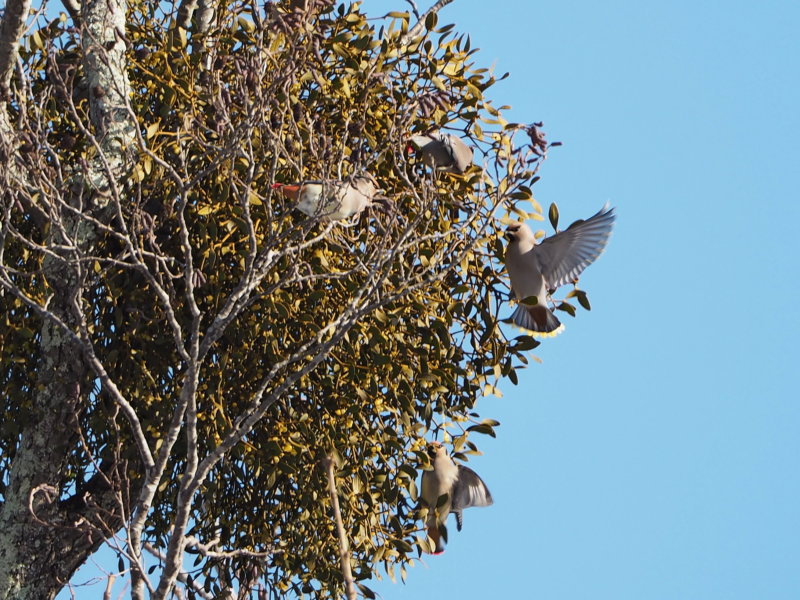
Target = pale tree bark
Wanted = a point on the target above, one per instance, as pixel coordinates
(13, 25)
(43, 538)
(11, 30)
(103, 42)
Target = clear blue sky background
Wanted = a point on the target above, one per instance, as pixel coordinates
(654, 454)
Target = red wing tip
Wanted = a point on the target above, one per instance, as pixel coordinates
(439, 553)
(276, 186)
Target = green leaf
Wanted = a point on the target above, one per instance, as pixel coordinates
(431, 20)
(583, 299)
(553, 215)
(567, 308)
(482, 428)
(36, 40)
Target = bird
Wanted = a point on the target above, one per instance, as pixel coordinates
(335, 199)
(442, 151)
(462, 486)
(539, 269)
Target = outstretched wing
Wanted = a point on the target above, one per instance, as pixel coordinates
(468, 490)
(564, 256)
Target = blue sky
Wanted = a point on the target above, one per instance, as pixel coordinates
(654, 452)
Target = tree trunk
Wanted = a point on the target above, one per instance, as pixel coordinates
(44, 539)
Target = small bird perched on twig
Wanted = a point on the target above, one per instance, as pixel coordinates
(539, 269)
(335, 199)
(442, 151)
(460, 484)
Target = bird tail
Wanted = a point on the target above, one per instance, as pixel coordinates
(459, 519)
(435, 533)
(290, 191)
(537, 319)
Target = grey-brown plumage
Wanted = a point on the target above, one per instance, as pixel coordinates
(462, 487)
(539, 269)
(443, 151)
(334, 200)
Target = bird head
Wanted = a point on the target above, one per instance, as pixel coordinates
(517, 232)
(512, 232)
(419, 140)
(368, 184)
(435, 449)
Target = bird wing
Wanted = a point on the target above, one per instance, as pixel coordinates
(564, 256)
(460, 153)
(469, 490)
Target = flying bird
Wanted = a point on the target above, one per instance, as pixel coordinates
(334, 200)
(460, 484)
(539, 269)
(442, 151)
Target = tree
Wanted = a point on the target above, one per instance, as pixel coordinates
(193, 368)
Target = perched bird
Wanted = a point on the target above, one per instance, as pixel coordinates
(334, 200)
(442, 151)
(539, 269)
(460, 484)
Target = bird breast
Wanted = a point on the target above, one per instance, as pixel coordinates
(524, 272)
(440, 480)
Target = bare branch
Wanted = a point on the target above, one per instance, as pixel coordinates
(206, 550)
(341, 534)
(414, 8)
(419, 26)
(182, 577)
(109, 585)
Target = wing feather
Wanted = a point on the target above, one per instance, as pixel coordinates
(469, 490)
(564, 256)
